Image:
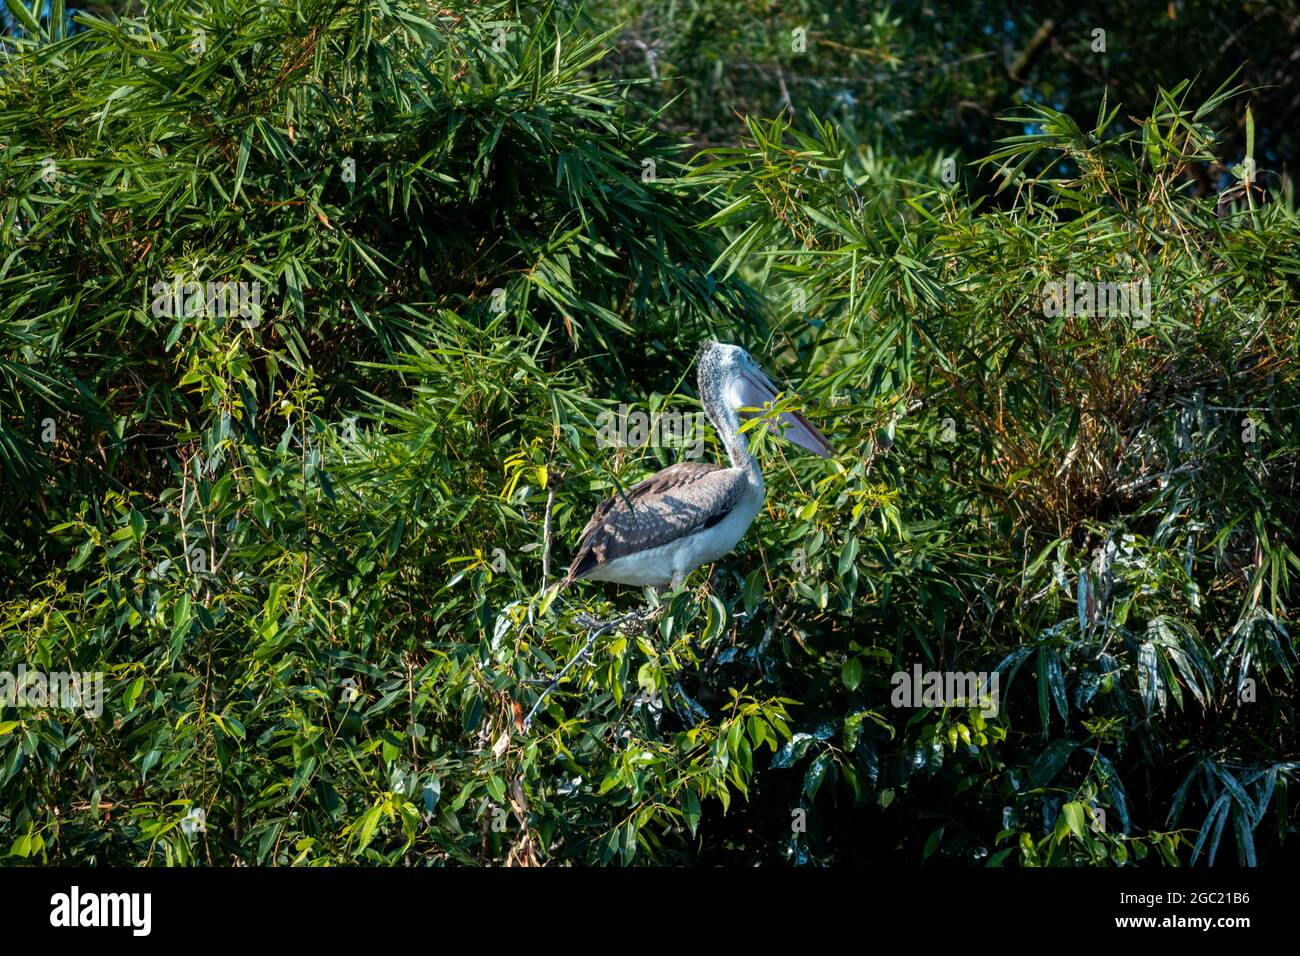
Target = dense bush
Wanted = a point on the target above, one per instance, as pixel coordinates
(311, 546)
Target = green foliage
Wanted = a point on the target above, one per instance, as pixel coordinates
(913, 78)
(1088, 506)
(309, 546)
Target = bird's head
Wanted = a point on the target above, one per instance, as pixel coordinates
(729, 377)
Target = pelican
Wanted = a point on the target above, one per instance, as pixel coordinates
(691, 513)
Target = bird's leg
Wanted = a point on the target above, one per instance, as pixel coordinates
(663, 590)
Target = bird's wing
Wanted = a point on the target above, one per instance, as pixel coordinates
(681, 499)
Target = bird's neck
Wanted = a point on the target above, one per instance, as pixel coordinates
(726, 420)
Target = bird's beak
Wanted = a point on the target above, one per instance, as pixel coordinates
(757, 390)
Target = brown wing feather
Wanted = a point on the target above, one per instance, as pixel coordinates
(677, 501)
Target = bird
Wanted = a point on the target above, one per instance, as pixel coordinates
(692, 513)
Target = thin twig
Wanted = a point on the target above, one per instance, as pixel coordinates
(1030, 53)
(185, 542)
(546, 537)
(786, 102)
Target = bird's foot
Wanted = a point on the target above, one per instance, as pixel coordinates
(593, 623)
